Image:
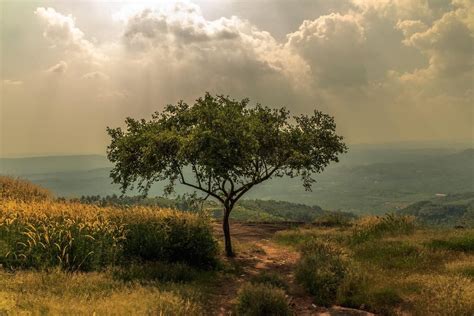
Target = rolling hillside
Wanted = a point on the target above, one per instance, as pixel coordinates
(449, 210)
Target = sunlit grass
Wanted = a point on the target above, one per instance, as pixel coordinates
(400, 268)
(61, 293)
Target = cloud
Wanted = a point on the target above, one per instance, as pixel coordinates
(333, 45)
(387, 69)
(59, 68)
(62, 32)
(222, 50)
(95, 75)
(410, 27)
(9, 82)
(448, 43)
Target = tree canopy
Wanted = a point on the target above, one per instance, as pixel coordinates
(227, 145)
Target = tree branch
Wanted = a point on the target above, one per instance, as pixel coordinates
(209, 192)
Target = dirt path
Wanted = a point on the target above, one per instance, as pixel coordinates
(256, 252)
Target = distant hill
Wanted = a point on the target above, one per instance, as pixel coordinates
(245, 210)
(52, 164)
(449, 210)
(379, 187)
(369, 179)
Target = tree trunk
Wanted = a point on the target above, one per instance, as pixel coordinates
(225, 225)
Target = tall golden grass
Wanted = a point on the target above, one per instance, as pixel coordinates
(44, 233)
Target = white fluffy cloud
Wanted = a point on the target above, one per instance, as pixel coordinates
(62, 32)
(334, 47)
(59, 68)
(179, 35)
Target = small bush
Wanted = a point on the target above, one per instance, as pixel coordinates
(372, 227)
(262, 300)
(171, 236)
(270, 278)
(321, 270)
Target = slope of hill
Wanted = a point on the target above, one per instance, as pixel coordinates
(449, 210)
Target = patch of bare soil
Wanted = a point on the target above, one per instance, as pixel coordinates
(259, 253)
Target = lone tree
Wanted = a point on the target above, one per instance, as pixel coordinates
(223, 148)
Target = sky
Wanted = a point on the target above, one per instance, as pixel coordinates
(387, 70)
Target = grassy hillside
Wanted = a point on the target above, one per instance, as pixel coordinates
(387, 265)
(449, 210)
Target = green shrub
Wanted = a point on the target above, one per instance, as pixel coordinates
(171, 236)
(372, 227)
(270, 278)
(321, 270)
(262, 300)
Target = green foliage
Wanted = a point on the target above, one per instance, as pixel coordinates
(171, 236)
(222, 140)
(271, 279)
(321, 270)
(372, 227)
(226, 146)
(262, 300)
